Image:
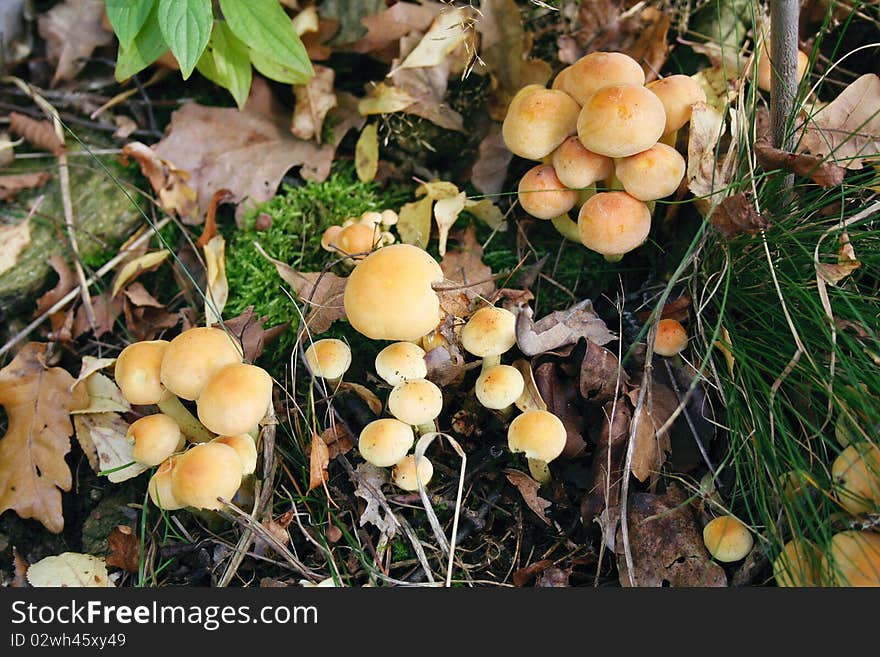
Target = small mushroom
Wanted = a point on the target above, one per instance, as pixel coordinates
(671, 338)
(137, 371)
(193, 357)
(678, 93)
(798, 565)
(235, 399)
(538, 120)
(328, 359)
(613, 224)
(401, 361)
(541, 436)
(621, 120)
(596, 70)
(384, 442)
(856, 476)
(765, 72)
(159, 486)
(652, 174)
(543, 195)
(853, 559)
(155, 438)
(404, 475)
(499, 386)
(490, 332)
(417, 402)
(578, 168)
(246, 448)
(727, 539)
(204, 473)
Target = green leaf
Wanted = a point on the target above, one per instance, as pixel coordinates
(186, 26)
(232, 61)
(146, 48)
(267, 29)
(275, 71)
(128, 17)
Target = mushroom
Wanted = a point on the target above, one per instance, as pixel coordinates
(854, 559)
(499, 386)
(540, 435)
(621, 120)
(538, 120)
(727, 539)
(246, 448)
(235, 399)
(671, 337)
(204, 473)
(384, 442)
(355, 241)
(764, 67)
(193, 357)
(328, 359)
(155, 438)
(401, 361)
(406, 475)
(137, 371)
(159, 486)
(596, 70)
(543, 195)
(388, 296)
(417, 402)
(678, 93)
(490, 332)
(856, 476)
(613, 224)
(578, 168)
(797, 565)
(652, 174)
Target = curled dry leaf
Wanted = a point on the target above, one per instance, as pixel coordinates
(531, 398)
(823, 173)
(651, 447)
(528, 488)
(66, 282)
(103, 439)
(705, 176)
(12, 184)
(448, 30)
(490, 168)
(19, 567)
(560, 328)
(319, 460)
(370, 479)
(523, 576)
(600, 371)
(13, 240)
(134, 268)
(72, 30)
(446, 211)
(217, 291)
(465, 274)
(248, 328)
(39, 133)
(736, 214)
(387, 27)
(313, 101)
(169, 182)
(847, 263)
(561, 396)
(69, 569)
(384, 99)
(124, 549)
(145, 316)
(103, 394)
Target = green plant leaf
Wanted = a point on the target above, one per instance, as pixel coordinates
(128, 17)
(267, 30)
(233, 63)
(186, 27)
(146, 48)
(275, 71)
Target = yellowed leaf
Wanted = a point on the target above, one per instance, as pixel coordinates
(134, 268)
(306, 21)
(703, 172)
(487, 212)
(69, 569)
(103, 394)
(103, 439)
(319, 459)
(437, 189)
(446, 33)
(446, 211)
(13, 240)
(218, 288)
(366, 153)
(91, 364)
(724, 344)
(414, 222)
(384, 99)
(313, 101)
(528, 488)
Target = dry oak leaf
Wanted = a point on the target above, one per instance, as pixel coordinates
(737, 214)
(13, 183)
(528, 488)
(652, 447)
(33, 472)
(168, 181)
(247, 152)
(69, 569)
(823, 173)
(387, 27)
(66, 282)
(124, 548)
(40, 133)
(560, 328)
(465, 274)
(72, 30)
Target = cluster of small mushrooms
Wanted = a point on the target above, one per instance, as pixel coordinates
(600, 125)
(355, 238)
(199, 459)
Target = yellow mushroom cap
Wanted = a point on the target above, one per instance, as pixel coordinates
(538, 120)
(404, 473)
(245, 447)
(385, 442)
(235, 399)
(499, 386)
(193, 357)
(596, 70)
(356, 240)
(388, 296)
(764, 66)
(613, 223)
(401, 361)
(543, 195)
(798, 565)
(539, 434)
(652, 174)
(621, 120)
(205, 472)
(559, 80)
(159, 486)
(727, 539)
(417, 401)
(490, 331)
(576, 167)
(854, 559)
(671, 337)
(856, 474)
(155, 438)
(678, 93)
(328, 358)
(137, 371)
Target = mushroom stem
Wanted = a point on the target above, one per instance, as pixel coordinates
(670, 138)
(427, 427)
(612, 182)
(566, 227)
(490, 361)
(190, 427)
(539, 470)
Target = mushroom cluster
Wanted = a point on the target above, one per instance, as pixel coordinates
(203, 365)
(355, 239)
(605, 141)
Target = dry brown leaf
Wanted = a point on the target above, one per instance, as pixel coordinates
(145, 316)
(20, 567)
(169, 182)
(65, 284)
(124, 549)
(313, 101)
(316, 42)
(370, 479)
(553, 578)
(667, 544)
(560, 328)
(490, 168)
(134, 268)
(530, 399)
(13, 240)
(651, 447)
(704, 174)
(465, 274)
(12, 184)
(69, 569)
(848, 128)
(651, 47)
(823, 173)
(217, 291)
(103, 439)
(846, 263)
(247, 152)
(528, 488)
(33, 472)
(38, 133)
(386, 28)
(561, 396)
(319, 460)
(72, 30)
(523, 576)
(448, 30)
(736, 214)
(600, 371)
(106, 312)
(248, 328)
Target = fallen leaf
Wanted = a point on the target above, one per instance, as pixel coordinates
(705, 175)
(523, 576)
(69, 569)
(168, 181)
(124, 549)
(446, 211)
(724, 344)
(39, 133)
(19, 567)
(319, 460)
(677, 309)
(13, 240)
(248, 329)
(667, 544)
(134, 268)
(528, 488)
(561, 396)
(209, 229)
(145, 316)
(447, 32)
(90, 365)
(313, 101)
(103, 439)
(7, 149)
(736, 214)
(66, 282)
(386, 27)
(487, 212)
(490, 168)
(600, 371)
(848, 128)
(823, 173)
(12, 184)
(651, 47)
(37, 400)
(338, 440)
(465, 274)
(414, 222)
(553, 578)
(530, 398)
(445, 366)
(315, 42)
(560, 328)
(103, 395)
(72, 30)
(367, 396)
(846, 263)
(366, 153)
(384, 99)
(370, 479)
(217, 291)
(106, 312)
(651, 447)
